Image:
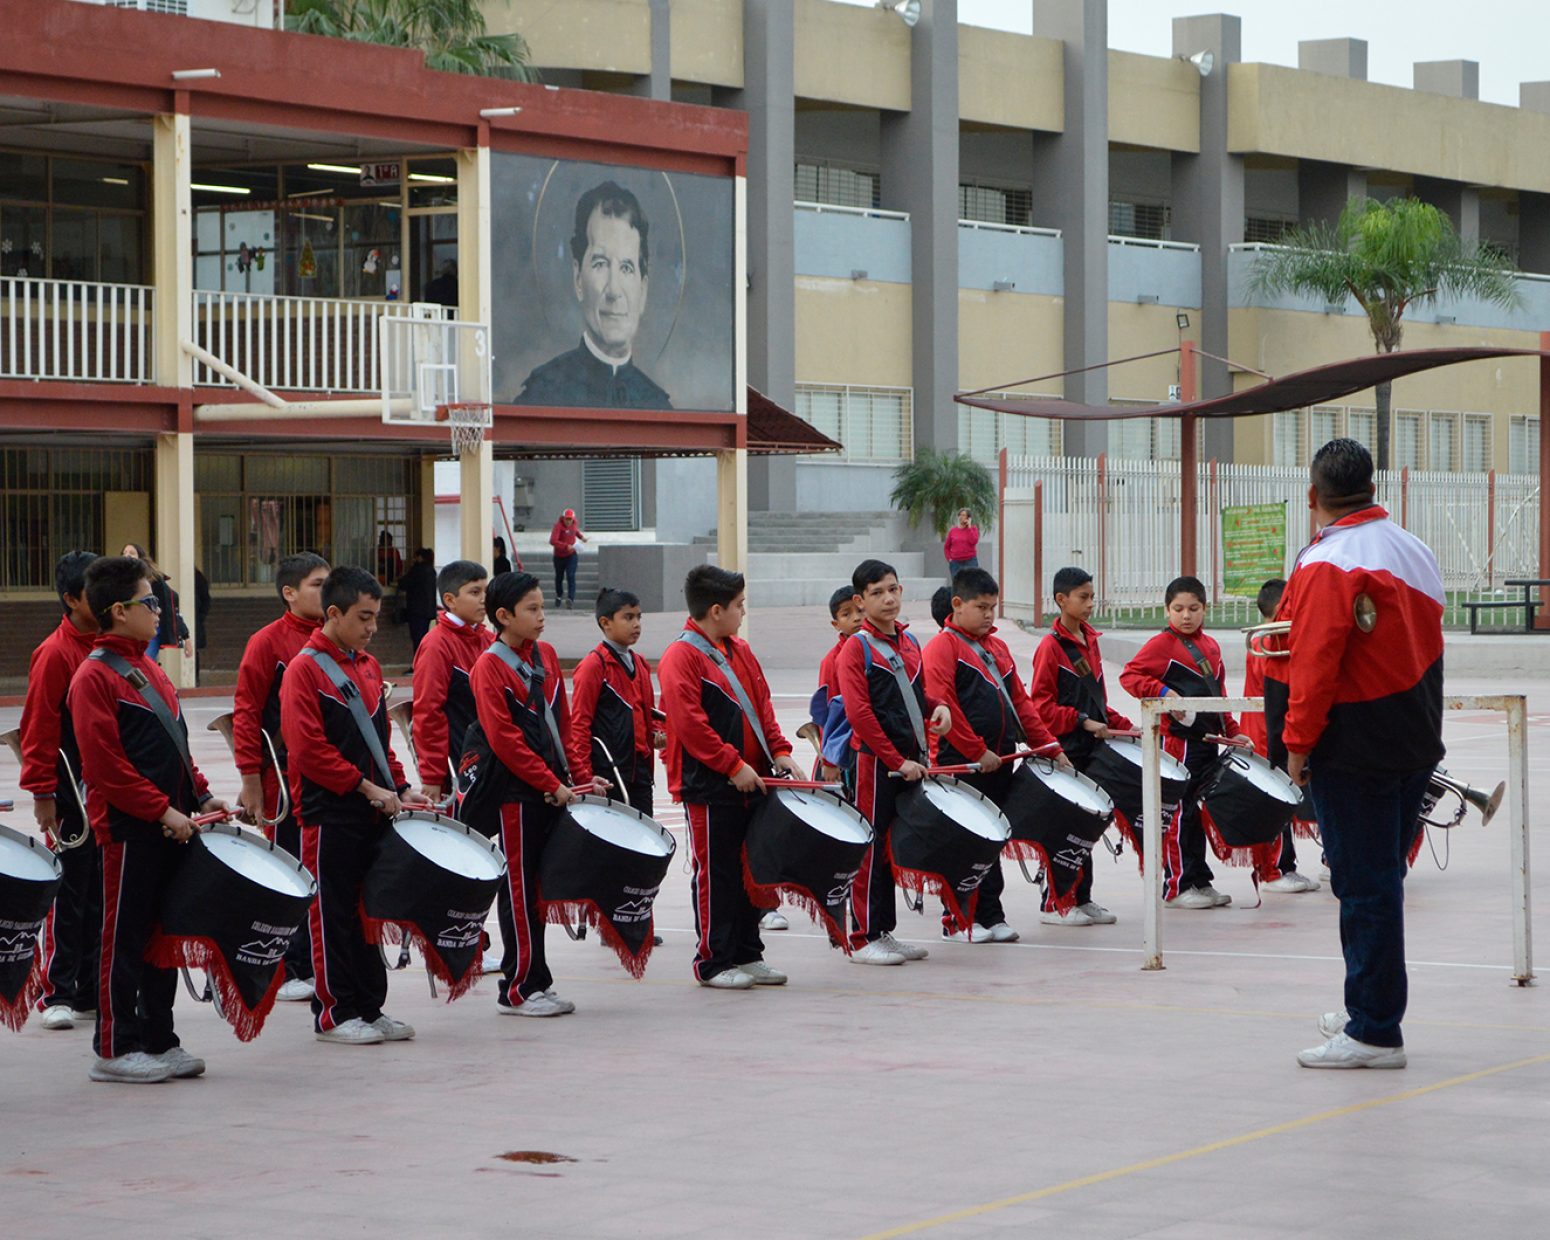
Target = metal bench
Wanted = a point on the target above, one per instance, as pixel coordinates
(1527, 606)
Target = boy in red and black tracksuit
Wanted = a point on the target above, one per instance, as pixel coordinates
(987, 721)
(256, 711)
(1185, 661)
(141, 789)
(883, 736)
(716, 766)
(1068, 690)
(443, 663)
(612, 702)
(73, 932)
(344, 801)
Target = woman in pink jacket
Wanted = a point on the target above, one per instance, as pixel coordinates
(563, 540)
(962, 545)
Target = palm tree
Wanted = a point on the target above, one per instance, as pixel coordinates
(451, 33)
(935, 485)
(1389, 256)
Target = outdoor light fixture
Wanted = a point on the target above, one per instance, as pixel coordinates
(1003, 286)
(907, 11)
(434, 178)
(1203, 61)
(346, 169)
(858, 273)
(490, 114)
(190, 75)
(1182, 320)
(242, 190)
(1146, 299)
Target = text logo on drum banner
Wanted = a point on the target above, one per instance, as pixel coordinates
(840, 892)
(1072, 858)
(638, 909)
(19, 944)
(975, 877)
(460, 933)
(262, 952)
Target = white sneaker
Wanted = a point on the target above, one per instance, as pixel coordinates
(541, 1004)
(566, 1004)
(729, 979)
(296, 990)
(1292, 883)
(1003, 933)
(1071, 917)
(135, 1068)
(876, 952)
(1219, 899)
(1324, 873)
(354, 1032)
(1195, 897)
(182, 1064)
(908, 950)
(762, 974)
(1344, 1051)
(774, 920)
(1332, 1024)
(491, 962)
(393, 1030)
(59, 1016)
(1100, 915)
(974, 934)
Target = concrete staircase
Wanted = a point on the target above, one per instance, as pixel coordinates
(799, 558)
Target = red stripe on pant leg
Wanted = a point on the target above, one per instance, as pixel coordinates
(516, 881)
(699, 850)
(50, 951)
(1172, 850)
(112, 884)
(311, 847)
(861, 888)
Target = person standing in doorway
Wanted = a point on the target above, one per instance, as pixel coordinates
(171, 629)
(499, 563)
(563, 538)
(962, 545)
(417, 595)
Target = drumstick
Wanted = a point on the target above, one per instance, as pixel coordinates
(1229, 740)
(964, 768)
(805, 785)
(7, 806)
(214, 816)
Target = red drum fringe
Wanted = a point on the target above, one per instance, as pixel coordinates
(961, 915)
(1305, 830)
(569, 912)
(1415, 846)
(378, 931)
(769, 897)
(1131, 836)
(166, 952)
(1258, 856)
(14, 1012)
(1027, 850)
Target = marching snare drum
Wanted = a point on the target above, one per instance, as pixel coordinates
(1058, 815)
(1245, 804)
(1115, 767)
(806, 847)
(30, 874)
(945, 838)
(232, 909)
(604, 863)
(433, 880)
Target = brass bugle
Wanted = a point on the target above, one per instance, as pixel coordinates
(1256, 637)
(403, 715)
(13, 741)
(224, 724)
(1487, 803)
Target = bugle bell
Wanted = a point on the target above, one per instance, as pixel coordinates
(1256, 637)
(223, 724)
(13, 741)
(1442, 784)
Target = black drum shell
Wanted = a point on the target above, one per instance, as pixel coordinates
(1121, 779)
(405, 886)
(24, 905)
(927, 841)
(1041, 816)
(207, 899)
(1243, 814)
(783, 849)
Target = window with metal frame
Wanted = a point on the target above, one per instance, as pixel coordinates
(982, 433)
(838, 185)
(1406, 447)
(610, 493)
(1143, 439)
(1442, 446)
(993, 203)
(1523, 444)
(1138, 218)
(1477, 455)
(1288, 446)
(873, 423)
(54, 500)
(1362, 426)
(1324, 424)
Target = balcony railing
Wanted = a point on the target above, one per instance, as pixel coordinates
(75, 330)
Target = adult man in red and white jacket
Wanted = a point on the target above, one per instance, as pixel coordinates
(1365, 720)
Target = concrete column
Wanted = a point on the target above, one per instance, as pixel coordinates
(427, 473)
(174, 539)
(172, 212)
(769, 98)
(1071, 192)
(1459, 79)
(476, 470)
(1324, 189)
(1460, 203)
(1534, 232)
(1345, 58)
(1208, 204)
(658, 84)
(920, 175)
(732, 509)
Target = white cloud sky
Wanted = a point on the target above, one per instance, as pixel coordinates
(1510, 38)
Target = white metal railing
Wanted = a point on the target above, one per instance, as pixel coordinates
(829, 208)
(311, 344)
(76, 330)
(1153, 243)
(1256, 247)
(1022, 230)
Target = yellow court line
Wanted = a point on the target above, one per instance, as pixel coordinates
(1151, 1164)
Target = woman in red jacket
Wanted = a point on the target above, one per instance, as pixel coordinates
(962, 545)
(563, 539)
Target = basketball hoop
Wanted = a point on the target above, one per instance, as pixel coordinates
(468, 421)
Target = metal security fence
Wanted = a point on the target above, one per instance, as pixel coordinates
(1119, 519)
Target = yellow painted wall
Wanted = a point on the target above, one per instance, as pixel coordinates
(1137, 329)
(1012, 80)
(1154, 101)
(848, 54)
(707, 39)
(852, 331)
(613, 35)
(1003, 337)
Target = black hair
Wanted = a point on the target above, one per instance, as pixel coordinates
(838, 599)
(427, 554)
(295, 569)
(972, 583)
(1069, 579)
(112, 579)
(708, 586)
(344, 586)
(870, 572)
(70, 575)
(942, 605)
(1342, 474)
(454, 576)
(507, 590)
(1184, 585)
(500, 545)
(1270, 597)
(614, 200)
(610, 602)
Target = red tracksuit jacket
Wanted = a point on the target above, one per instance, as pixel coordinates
(1366, 701)
(708, 736)
(326, 755)
(513, 727)
(611, 704)
(443, 694)
(132, 770)
(256, 704)
(46, 725)
(874, 706)
(955, 675)
(1166, 663)
(1064, 696)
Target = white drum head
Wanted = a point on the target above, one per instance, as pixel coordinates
(1075, 788)
(449, 846)
(971, 812)
(29, 864)
(621, 827)
(257, 862)
(1170, 766)
(836, 819)
(1268, 779)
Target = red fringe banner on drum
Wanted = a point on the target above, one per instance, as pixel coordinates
(570, 912)
(14, 1009)
(1259, 856)
(378, 931)
(182, 952)
(960, 913)
(766, 897)
(1305, 830)
(1027, 850)
(1131, 836)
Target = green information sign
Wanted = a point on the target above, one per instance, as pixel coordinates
(1253, 546)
